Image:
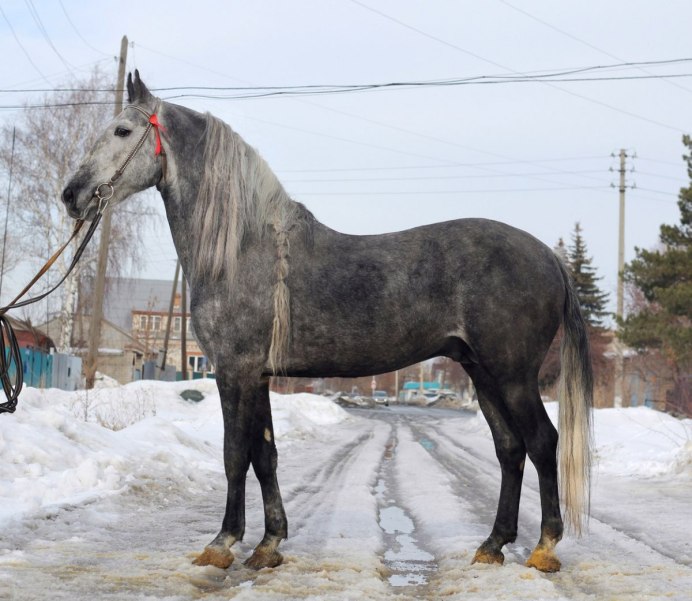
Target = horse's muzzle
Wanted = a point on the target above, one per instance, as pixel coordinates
(70, 202)
(69, 199)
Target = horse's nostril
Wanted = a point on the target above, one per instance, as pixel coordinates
(68, 196)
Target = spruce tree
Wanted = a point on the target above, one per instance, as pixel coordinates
(561, 251)
(591, 299)
(664, 277)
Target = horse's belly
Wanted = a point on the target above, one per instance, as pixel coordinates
(362, 345)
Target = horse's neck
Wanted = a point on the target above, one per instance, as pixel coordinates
(178, 195)
(273, 223)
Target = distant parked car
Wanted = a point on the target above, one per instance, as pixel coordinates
(381, 396)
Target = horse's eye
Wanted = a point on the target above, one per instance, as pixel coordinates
(122, 132)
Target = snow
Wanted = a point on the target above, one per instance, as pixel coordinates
(382, 503)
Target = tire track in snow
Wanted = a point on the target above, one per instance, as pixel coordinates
(589, 567)
(409, 562)
(320, 482)
(323, 506)
(531, 485)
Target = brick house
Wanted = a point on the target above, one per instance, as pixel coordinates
(141, 307)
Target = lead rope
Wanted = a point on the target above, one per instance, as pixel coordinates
(10, 353)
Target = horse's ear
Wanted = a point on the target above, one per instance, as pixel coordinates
(137, 92)
(130, 89)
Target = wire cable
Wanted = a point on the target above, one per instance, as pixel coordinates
(79, 35)
(24, 50)
(44, 32)
(504, 67)
(579, 40)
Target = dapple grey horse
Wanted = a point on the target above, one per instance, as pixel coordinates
(274, 291)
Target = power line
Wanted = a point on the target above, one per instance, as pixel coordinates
(450, 166)
(504, 67)
(554, 75)
(79, 35)
(670, 177)
(679, 164)
(24, 50)
(636, 196)
(665, 193)
(37, 19)
(187, 62)
(298, 91)
(434, 177)
(579, 40)
(429, 36)
(602, 188)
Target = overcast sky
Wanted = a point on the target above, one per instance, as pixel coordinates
(533, 154)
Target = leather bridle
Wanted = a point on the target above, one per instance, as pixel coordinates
(152, 123)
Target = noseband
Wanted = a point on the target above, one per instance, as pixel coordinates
(104, 191)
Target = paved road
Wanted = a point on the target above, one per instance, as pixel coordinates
(390, 504)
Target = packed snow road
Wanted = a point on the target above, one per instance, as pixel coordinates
(386, 503)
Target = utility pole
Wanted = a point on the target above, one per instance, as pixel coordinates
(621, 235)
(100, 284)
(7, 210)
(171, 305)
(619, 359)
(183, 330)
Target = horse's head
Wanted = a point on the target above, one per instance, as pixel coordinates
(124, 159)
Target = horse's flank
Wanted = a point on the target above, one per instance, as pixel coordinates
(240, 198)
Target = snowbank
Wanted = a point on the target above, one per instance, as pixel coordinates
(639, 441)
(63, 448)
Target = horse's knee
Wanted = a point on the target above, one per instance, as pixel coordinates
(264, 455)
(511, 453)
(531, 420)
(542, 449)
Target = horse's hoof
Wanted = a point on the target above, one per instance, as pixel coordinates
(262, 558)
(544, 560)
(215, 556)
(487, 556)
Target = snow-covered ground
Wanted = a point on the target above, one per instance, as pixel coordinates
(109, 495)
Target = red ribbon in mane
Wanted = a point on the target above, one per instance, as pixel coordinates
(158, 128)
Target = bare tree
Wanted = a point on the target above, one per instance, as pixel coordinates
(51, 142)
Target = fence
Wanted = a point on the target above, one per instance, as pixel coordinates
(42, 370)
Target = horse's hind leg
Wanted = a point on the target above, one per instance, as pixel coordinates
(540, 437)
(264, 460)
(511, 453)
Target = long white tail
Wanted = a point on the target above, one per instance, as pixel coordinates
(576, 400)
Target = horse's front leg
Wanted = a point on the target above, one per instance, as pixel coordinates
(238, 403)
(264, 456)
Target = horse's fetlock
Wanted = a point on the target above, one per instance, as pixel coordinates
(551, 531)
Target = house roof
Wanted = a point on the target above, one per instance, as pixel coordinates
(123, 295)
(129, 342)
(29, 335)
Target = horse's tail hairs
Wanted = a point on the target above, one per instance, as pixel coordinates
(281, 326)
(576, 400)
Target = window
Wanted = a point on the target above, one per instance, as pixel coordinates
(155, 322)
(177, 323)
(143, 322)
(198, 363)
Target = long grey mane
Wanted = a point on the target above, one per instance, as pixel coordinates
(240, 197)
